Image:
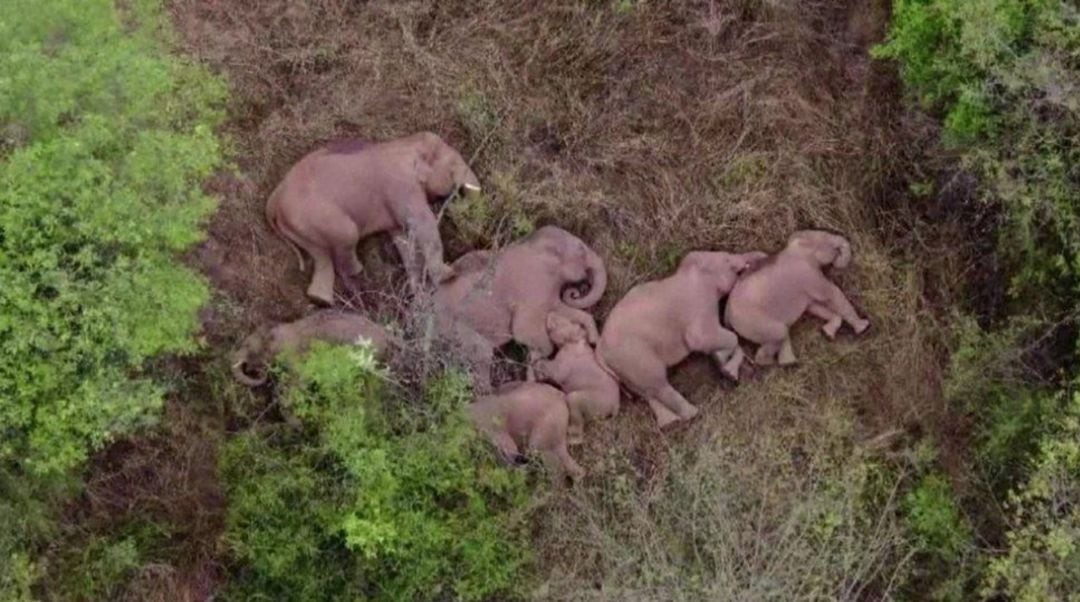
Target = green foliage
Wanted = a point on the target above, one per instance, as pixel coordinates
(935, 518)
(369, 498)
(94, 204)
(104, 142)
(1005, 75)
(1042, 560)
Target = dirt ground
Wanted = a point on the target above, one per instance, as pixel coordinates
(648, 129)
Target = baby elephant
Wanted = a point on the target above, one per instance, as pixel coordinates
(348, 190)
(591, 389)
(765, 302)
(528, 416)
(251, 359)
(658, 324)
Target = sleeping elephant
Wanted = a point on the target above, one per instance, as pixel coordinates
(520, 416)
(592, 392)
(658, 324)
(251, 359)
(765, 302)
(507, 295)
(348, 190)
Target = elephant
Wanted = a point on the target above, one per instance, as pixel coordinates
(659, 323)
(330, 325)
(765, 302)
(507, 295)
(592, 392)
(348, 190)
(528, 415)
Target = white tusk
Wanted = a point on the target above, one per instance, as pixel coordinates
(238, 364)
(472, 188)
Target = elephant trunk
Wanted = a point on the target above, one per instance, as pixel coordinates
(597, 278)
(843, 253)
(240, 361)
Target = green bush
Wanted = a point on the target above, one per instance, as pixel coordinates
(105, 140)
(1004, 74)
(369, 498)
(1042, 559)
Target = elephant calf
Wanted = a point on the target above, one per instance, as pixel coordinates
(658, 324)
(348, 190)
(765, 302)
(528, 416)
(250, 360)
(591, 390)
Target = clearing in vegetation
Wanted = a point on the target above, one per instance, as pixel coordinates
(933, 458)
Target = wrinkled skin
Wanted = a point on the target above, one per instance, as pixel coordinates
(507, 295)
(348, 190)
(251, 359)
(592, 392)
(528, 416)
(658, 324)
(765, 302)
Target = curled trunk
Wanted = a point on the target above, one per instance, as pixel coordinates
(597, 279)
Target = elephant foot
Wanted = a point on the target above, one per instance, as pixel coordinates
(689, 412)
(731, 367)
(831, 327)
(764, 356)
(320, 298)
(575, 436)
(860, 326)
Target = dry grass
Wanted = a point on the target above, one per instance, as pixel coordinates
(649, 129)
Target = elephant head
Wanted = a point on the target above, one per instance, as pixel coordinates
(250, 357)
(825, 248)
(720, 269)
(578, 265)
(563, 331)
(442, 170)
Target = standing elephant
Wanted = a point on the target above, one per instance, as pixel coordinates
(766, 302)
(658, 324)
(507, 295)
(250, 360)
(528, 416)
(592, 392)
(348, 190)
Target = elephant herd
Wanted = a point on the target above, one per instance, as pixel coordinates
(537, 292)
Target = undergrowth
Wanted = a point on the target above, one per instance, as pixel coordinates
(105, 140)
(369, 497)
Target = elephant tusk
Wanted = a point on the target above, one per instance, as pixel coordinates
(471, 188)
(238, 364)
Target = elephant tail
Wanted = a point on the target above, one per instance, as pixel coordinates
(273, 219)
(597, 272)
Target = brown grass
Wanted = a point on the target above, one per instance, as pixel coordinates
(649, 129)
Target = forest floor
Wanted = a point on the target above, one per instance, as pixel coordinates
(648, 129)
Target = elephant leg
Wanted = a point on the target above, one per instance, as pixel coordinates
(549, 438)
(415, 217)
(575, 430)
(838, 303)
(787, 355)
(508, 448)
(706, 335)
(582, 317)
(529, 327)
(766, 354)
(663, 415)
(321, 289)
(832, 319)
(410, 258)
(675, 402)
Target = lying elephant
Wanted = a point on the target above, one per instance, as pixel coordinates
(251, 359)
(348, 190)
(765, 302)
(658, 324)
(591, 389)
(528, 416)
(507, 295)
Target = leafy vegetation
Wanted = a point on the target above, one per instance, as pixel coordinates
(106, 139)
(369, 497)
(1004, 75)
